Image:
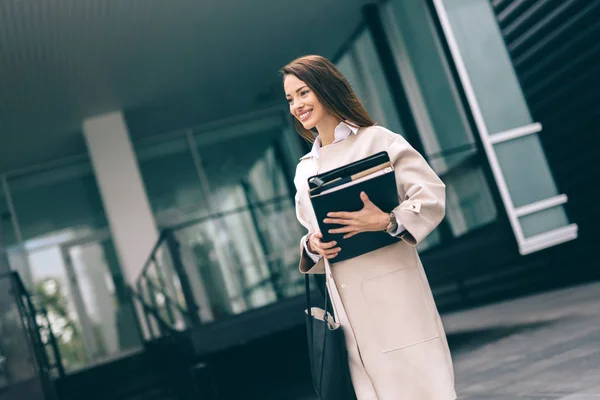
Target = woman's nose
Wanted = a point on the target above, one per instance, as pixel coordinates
(297, 107)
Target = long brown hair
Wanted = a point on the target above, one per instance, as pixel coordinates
(331, 88)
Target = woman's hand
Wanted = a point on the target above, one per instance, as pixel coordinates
(327, 250)
(369, 219)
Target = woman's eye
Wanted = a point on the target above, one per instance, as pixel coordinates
(304, 92)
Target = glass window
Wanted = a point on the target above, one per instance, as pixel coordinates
(347, 65)
(18, 360)
(379, 98)
(171, 179)
(360, 65)
(443, 126)
(245, 252)
(7, 233)
(543, 221)
(76, 277)
(525, 170)
(488, 64)
(63, 200)
(522, 166)
(227, 163)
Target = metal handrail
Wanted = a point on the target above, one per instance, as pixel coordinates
(223, 214)
(168, 298)
(29, 319)
(154, 312)
(196, 221)
(167, 237)
(36, 328)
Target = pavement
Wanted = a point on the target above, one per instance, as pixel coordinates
(540, 347)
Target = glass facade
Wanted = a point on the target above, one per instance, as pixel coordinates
(171, 181)
(361, 67)
(67, 260)
(526, 185)
(225, 191)
(17, 360)
(236, 227)
(482, 47)
(7, 233)
(440, 117)
(509, 136)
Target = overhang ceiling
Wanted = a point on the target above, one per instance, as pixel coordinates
(167, 63)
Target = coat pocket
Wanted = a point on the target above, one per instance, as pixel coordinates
(399, 309)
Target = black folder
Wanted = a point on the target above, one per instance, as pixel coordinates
(380, 187)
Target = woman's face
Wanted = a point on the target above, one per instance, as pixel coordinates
(304, 104)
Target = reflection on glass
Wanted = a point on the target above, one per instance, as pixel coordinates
(241, 257)
(104, 298)
(360, 65)
(488, 64)
(543, 221)
(444, 129)
(53, 200)
(469, 202)
(7, 233)
(51, 287)
(171, 181)
(378, 101)
(76, 278)
(16, 359)
(10, 250)
(445, 132)
(525, 170)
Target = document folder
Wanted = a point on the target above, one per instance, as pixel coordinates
(339, 190)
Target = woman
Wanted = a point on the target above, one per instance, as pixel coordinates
(397, 347)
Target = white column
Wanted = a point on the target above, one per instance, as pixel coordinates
(126, 204)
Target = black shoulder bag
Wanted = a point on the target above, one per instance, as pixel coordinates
(327, 352)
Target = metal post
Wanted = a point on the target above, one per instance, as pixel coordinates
(4, 262)
(186, 289)
(163, 287)
(275, 275)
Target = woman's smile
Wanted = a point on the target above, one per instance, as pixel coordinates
(304, 115)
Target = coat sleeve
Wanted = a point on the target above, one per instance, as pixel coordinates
(421, 192)
(307, 265)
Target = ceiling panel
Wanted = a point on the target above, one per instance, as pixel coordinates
(163, 62)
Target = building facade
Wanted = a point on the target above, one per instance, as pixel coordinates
(500, 97)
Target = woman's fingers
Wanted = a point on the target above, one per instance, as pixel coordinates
(341, 214)
(339, 221)
(332, 251)
(344, 229)
(327, 250)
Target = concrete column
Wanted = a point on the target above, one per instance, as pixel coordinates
(126, 204)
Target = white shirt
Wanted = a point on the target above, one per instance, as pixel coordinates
(341, 132)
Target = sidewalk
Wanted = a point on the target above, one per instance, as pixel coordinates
(540, 347)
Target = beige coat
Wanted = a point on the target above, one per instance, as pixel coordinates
(397, 347)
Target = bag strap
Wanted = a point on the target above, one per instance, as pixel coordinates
(310, 329)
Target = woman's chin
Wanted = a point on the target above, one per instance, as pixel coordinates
(308, 124)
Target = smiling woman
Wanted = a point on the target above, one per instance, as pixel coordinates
(320, 96)
(396, 344)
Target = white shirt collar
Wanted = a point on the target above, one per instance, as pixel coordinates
(341, 132)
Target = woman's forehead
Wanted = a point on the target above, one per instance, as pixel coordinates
(291, 83)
